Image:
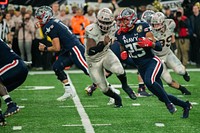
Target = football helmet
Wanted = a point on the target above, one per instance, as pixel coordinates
(43, 14)
(147, 15)
(105, 19)
(126, 19)
(157, 21)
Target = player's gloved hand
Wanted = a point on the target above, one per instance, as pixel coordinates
(124, 55)
(144, 42)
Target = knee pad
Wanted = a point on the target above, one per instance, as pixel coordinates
(117, 70)
(166, 77)
(61, 75)
(121, 73)
(180, 69)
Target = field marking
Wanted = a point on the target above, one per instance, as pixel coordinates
(87, 106)
(80, 71)
(136, 104)
(21, 107)
(101, 124)
(24, 99)
(159, 124)
(66, 106)
(79, 125)
(73, 125)
(17, 128)
(84, 117)
(136, 86)
(194, 103)
(38, 88)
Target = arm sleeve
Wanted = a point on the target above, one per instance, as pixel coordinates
(158, 46)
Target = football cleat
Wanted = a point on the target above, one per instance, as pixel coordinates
(90, 89)
(111, 101)
(132, 95)
(186, 77)
(172, 109)
(69, 93)
(184, 91)
(130, 92)
(187, 109)
(118, 103)
(2, 120)
(142, 92)
(64, 97)
(12, 109)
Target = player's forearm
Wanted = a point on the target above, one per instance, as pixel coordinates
(157, 46)
(52, 49)
(96, 49)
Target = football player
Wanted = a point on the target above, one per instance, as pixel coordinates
(71, 51)
(99, 57)
(138, 40)
(163, 30)
(13, 73)
(125, 59)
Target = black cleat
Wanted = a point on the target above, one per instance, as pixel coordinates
(118, 102)
(172, 109)
(142, 92)
(186, 77)
(90, 89)
(12, 109)
(184, 91)
(2, 120)
(132, 95)
(187, 109)
(130, 92)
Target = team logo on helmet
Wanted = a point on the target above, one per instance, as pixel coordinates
(43, 14)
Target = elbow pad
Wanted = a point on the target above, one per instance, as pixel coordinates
(173, 46)
(94, 50)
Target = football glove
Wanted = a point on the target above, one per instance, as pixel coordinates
(144, 42)
(124, 55)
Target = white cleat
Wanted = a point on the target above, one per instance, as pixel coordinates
(111, 101)
(64, 97)
(69, 93)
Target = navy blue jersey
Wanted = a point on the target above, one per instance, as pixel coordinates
(56, 29)
(129, 40)
(6, 54)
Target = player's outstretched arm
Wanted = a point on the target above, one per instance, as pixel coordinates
(155, 43)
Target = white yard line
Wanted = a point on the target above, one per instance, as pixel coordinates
(80, 71)
(84, 117)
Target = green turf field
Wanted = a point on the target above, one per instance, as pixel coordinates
(41, 113)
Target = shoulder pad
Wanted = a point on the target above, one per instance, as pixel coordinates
(92, 29)
(170, 24)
